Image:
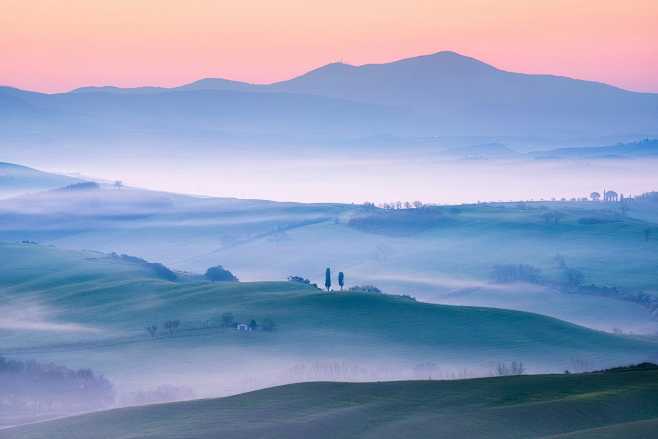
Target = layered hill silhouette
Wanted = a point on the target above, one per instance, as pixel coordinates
(610, 404)
(443, 94)
(17, 179)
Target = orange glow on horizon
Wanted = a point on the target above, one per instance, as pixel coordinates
(50, 45)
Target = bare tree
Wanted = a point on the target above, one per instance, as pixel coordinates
(172, 326)
(514, 368)
(228, 320)
(152, 330)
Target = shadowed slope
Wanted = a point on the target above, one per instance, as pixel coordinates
(512, 407)
(119, 296)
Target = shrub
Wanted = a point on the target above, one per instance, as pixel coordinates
(365, 289)
(156, 268)
(220, 274)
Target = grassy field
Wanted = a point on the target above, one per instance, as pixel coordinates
(622, 404)
(87, 309)
(437, 254)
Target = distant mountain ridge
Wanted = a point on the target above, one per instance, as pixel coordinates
(643, 148)
(442, 94)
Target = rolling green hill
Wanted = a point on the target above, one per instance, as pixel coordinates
(621, 404)
(88, 309)
(441, 254)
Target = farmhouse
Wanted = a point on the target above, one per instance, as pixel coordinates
(243, 327)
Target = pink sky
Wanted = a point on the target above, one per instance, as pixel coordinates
(57, 45)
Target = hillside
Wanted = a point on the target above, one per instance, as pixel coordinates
(88, 309)
(439, 254)
(17, 179)
(611, 404)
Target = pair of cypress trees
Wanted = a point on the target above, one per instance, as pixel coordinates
(327, 279)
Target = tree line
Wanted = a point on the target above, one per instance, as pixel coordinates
(27, 386)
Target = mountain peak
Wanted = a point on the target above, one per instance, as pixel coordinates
(217, 84)
(447, 59)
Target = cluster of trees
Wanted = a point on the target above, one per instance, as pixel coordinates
(397, 205)
(37, 388)
(513, 368)
(648, 196)
(158, 269)
(302, 280)
(226, 320)
(365, 289)
(328, 282)
(170, 327)
(83, 186)
(510, 273)
(220, 274)
(641, 298)
(570, 278)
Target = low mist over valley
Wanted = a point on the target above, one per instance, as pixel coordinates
(407, 243)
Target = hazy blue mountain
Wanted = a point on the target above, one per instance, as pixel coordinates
(221, 84)
(444, 94)
(464, 95)
(484, 151)
(112, 89)
(643, 148)
(95, 115)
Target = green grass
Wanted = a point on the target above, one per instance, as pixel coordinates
(117, 300)
(621, 404)
(266, 241)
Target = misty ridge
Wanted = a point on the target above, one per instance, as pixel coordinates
(427, 101)
(397, 245)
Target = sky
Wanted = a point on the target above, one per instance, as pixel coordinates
(58, 45)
